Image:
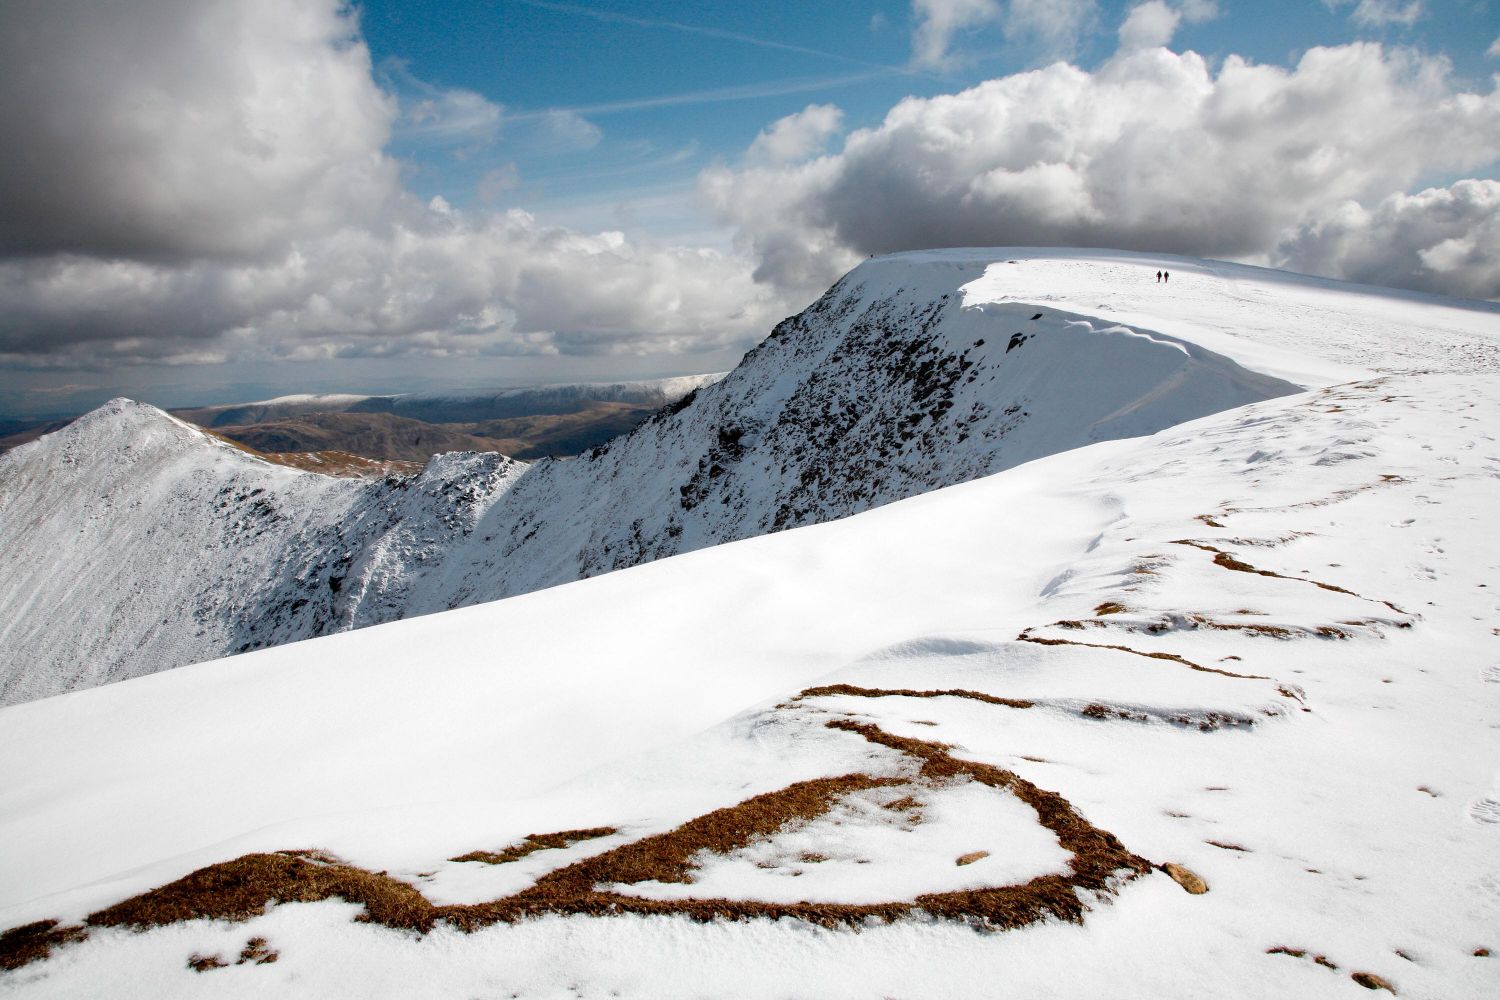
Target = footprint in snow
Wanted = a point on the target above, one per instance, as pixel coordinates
(1485, 810)
(1491, 673)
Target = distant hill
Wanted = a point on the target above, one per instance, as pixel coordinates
(550, 421)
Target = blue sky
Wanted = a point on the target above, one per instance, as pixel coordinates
(671, 86)
(213, 200)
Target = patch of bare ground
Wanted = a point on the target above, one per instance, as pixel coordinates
(1225, 846)
(1026, 636)
(1226, 561)
(828, 690)
(244, 887)
(534, 842)
(206, 963)
(1110, 608)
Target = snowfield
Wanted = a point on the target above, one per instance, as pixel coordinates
(949, 745)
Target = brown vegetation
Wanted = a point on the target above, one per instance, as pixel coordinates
(537, 842)
(244, 887)
(30, 942)
(828, 690)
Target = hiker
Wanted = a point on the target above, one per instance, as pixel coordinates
(1158, 277)
(1166, 276)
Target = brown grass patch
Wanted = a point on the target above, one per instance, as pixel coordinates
(1110, 608)
(244, 887)
(970, 858)
(830, 690)
(1222, 845)
(32, 942)
(1208, 520)
(1370, 981)
(206, 963)
(537, 842)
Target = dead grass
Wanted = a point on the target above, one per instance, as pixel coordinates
(537, 842)
(831, 690)
(1189, 880)
(1110, 608)
(244, 887)
(32, 942)
(206, 963)
(1370, 981)
(1225, 846)
(1226, 561)
(1026, 636)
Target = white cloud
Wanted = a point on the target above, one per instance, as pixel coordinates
(1153, 22)
(797, 136)
(437, 282)
(166, 199)
(1494, 49)
(938, 21)
(1154, 151)
(1053, 27)
(1148, 25)
(1056, 24)
(1382, 13)
(1439, 240)
(127, 133)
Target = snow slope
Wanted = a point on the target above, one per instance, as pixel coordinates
(915, 372)
(1260, 645)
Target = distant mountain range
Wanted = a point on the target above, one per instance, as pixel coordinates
(552, 421)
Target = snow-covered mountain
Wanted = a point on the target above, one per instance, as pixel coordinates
(1252, 656)
(136, 544)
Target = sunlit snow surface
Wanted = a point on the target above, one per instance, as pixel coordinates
(1321, 745)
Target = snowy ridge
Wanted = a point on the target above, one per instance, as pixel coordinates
(915, 372)
(1255, 649)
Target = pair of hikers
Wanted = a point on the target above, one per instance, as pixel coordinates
(1163, 276)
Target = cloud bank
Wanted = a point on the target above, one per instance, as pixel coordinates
(1155, 150)
(190, 182)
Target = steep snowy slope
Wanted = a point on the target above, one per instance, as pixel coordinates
(1257, 650)
(133, 542)
(916, 371)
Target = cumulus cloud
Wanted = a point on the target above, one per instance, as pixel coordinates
(1055, 24)
(797, 136)
(1154, 151)
(1440, 240)
(195, 182)
(1154, 22)
(127, 134)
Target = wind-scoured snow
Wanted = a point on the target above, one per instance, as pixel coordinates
(1259, 645)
